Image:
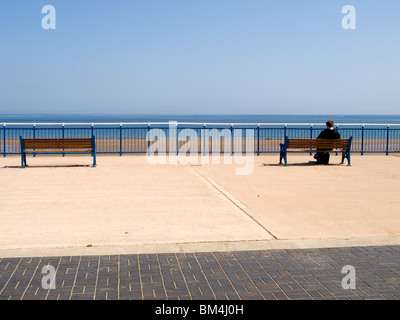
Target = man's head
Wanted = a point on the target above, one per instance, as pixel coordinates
(329, 124)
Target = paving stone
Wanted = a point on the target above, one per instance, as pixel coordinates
(295, 274)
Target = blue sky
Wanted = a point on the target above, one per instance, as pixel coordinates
(200, 56)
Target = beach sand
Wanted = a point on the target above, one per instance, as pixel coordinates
(63, 202)
(265, 144)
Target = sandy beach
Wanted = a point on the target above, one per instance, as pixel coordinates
(63, 202)
(140, 145)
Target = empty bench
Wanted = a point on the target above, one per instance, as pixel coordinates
(57, 146)
(316, 145)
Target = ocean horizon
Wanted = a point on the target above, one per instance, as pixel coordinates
(200, 118)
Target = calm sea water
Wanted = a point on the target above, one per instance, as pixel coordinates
(377, 136)
(226, 118)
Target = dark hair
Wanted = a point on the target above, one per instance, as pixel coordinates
(329, 123)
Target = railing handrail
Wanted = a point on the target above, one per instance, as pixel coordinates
(188, 123)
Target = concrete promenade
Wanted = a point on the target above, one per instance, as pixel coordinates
(309, 220)
(125, 201)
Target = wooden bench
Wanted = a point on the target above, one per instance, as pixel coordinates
(57, 146)
(320, 145)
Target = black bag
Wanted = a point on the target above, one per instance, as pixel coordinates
(322, 157)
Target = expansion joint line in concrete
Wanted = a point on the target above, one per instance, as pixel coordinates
(232, 200)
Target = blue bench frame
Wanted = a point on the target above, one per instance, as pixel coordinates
(284, 150)
(24, 153)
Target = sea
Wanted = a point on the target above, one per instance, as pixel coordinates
(198, 118)
(376, 133)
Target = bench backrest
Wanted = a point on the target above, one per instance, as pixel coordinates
(57, 144)
(318, 143)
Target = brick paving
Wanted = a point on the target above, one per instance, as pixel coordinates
(256, 275)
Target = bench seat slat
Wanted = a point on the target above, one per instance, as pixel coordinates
(66, 146)
(74, 144)
(57, 150)
(57, 144)
(318, 143)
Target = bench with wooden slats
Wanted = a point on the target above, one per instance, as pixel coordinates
(57, 146)
(319, 145)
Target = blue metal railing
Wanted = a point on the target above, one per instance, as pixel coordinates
(132, 137)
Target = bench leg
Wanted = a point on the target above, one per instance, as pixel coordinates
(23, 160)
(94, 159)
(346, 155)
(283, 155)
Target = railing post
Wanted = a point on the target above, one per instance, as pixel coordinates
(34, 136)
(311, 136)
(177, 142)
(4, 139)
(120, 139)
(92, 134)
(63, 135)
(232, 138)
(387, 139)
(362, 140)
(284, 131)
(258, 139)
(204, 140)
(148, 140)
(337, 129)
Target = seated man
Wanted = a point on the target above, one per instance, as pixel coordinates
(322, 156)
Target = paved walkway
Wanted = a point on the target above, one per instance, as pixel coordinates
(266, 274)
(128, 201)
(114, 231)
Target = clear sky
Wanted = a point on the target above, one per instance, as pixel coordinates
(200, 56)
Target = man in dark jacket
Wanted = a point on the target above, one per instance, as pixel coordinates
(322, 157)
